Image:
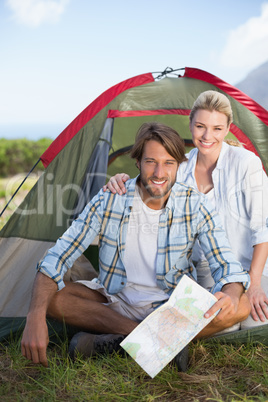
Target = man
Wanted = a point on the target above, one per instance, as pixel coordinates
(145, 243)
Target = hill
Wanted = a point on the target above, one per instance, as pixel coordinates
(255, 85)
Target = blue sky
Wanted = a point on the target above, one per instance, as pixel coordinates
(57, 56)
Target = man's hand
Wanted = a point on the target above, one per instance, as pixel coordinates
(35, 335)
(233, 306)
(35, 340)
(259, 303)
(228, 307)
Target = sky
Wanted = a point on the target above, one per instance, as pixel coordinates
(57, 56)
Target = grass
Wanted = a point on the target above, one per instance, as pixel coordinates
(7, 187)
(216, 373)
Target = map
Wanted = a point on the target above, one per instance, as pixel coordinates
(166, 331)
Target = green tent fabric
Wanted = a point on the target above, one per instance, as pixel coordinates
(91, 149)
(253, 335)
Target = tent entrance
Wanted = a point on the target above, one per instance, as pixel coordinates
(125, 126)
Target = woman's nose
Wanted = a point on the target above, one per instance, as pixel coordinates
(206, 133)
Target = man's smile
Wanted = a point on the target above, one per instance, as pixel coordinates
(158, 182)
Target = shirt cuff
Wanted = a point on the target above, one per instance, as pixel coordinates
(56, 278)
(260, 237)
(242, 278)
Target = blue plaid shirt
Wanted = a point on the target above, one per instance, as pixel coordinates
(186, 217)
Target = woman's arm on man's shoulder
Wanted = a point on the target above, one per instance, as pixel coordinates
(116, 184)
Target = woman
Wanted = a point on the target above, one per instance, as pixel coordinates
(234, 181)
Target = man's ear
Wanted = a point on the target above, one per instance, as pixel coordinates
(137, 164)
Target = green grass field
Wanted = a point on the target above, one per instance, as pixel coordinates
(7, 187)
(216, 373)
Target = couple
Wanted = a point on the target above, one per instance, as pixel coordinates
(233, 180)
(138, 269)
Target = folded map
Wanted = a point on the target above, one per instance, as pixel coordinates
(166, 331)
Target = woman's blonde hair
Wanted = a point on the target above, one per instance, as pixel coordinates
(213, 100)
(234, 143)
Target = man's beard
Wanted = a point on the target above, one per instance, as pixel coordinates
(150, 189)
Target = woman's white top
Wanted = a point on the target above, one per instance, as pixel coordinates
(240, 196)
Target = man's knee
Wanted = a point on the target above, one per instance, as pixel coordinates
(244, 307)
(241, 314)
(71, 297)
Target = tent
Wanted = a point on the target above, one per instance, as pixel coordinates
(94, 146)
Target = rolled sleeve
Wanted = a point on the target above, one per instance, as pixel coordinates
(213, 241)
(48, 271)
(72, 244)
(242, 278)
(260, 236)
(255, 193)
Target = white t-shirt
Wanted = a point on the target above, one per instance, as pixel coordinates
(140, 255)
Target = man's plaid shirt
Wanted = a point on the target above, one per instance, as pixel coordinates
(186, 217)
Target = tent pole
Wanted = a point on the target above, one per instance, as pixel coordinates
(23, 181)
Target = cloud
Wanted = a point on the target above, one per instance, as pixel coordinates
(247, 45)
(36, 12)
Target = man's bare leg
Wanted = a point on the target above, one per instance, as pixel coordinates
(82, 307)
(75, 305)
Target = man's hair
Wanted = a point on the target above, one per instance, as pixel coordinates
(163, 134)
(213, 100)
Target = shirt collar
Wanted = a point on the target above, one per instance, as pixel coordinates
(170, 201)
(222, 160)
(190, 167)
(130, 186)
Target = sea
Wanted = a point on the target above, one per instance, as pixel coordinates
(31, 131)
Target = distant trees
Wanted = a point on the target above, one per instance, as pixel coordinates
(18, 156)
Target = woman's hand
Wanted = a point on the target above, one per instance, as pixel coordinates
(116, 183)
(256, 295)
(259, 303)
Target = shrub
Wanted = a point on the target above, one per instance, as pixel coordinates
(18, 156)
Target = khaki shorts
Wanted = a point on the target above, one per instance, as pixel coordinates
(119, 305)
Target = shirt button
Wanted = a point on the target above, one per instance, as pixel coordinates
(122, 283)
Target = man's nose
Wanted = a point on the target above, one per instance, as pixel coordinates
(159, 171)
